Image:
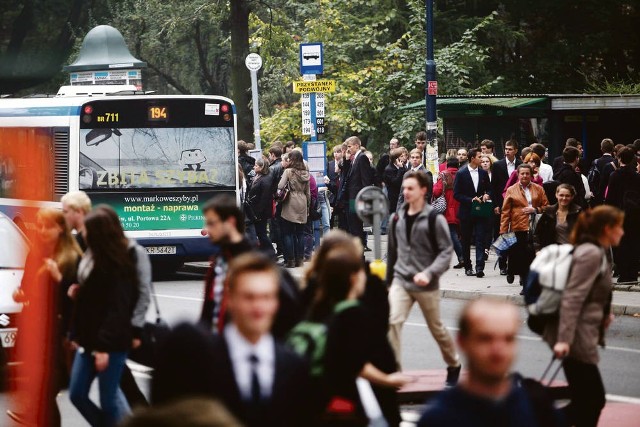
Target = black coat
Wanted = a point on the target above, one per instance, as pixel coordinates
(246, 163)
(103, 311)
(546, 228)
(392, 178)
(566, 175)
(261, 196)
(360, 175)
(499, 178)
(193, 362)
(464, 191)
(621, 180)
(334, 182)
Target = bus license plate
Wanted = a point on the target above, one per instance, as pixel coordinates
(8, 338)
(161, 250)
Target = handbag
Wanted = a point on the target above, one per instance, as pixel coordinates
(283, 193)
(153, 334)
(504, 242)
(482, 209)
(439, 204)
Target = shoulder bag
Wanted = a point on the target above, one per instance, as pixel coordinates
(153, 333)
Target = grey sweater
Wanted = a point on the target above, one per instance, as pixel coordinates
(405, 260)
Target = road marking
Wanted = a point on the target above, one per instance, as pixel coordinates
(177, 297)
(530, 338)
(622, 399)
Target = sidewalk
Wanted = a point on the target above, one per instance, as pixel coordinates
(454, 284)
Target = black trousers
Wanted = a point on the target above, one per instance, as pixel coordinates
(586, 390)
(467, 227)
(520, 256)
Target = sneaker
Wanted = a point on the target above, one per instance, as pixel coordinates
(510, 278)
(453, 373)
(480, 274)
(469, 272)
(460, 264)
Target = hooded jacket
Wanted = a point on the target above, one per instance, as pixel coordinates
(296, 206)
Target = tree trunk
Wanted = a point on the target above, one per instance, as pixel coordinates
(240, 77)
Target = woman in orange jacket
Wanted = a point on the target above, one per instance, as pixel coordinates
(522, 201)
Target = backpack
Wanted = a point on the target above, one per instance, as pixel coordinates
(309, 339)
(432, 227)
(548, 275)
(593, 177)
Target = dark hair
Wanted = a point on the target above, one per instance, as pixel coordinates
(606, 146)
(421, 136)
(525, 151)
(473, 152)
(225, 206)
(572, 142)
(626, 155)
(539, 149)
(591, 224)
(290, 144)
(108, 244)
(276, 151)
(570, 154)
(250, 262)
(420, 176)
(395, 155)
(636, 144)
(453, 162)
(334, 279)
(264, 162)
(525, 166)
(243, 146)
(488, 143)
(512, 143)
(296, 161)
(570, 188)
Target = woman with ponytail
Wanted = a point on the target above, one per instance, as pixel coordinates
(584, 313)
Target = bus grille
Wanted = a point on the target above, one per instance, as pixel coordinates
(61, 156)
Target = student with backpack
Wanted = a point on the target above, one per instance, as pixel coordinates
(337, 339)
(584, 312)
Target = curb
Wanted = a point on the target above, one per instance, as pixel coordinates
(617, 309)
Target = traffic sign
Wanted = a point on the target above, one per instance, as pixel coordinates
(311, 58)
(253, 61)
(432, 87)
(314, 86)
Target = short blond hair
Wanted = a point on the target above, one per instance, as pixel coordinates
(78, 201)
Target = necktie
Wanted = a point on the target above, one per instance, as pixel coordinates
(255, 382)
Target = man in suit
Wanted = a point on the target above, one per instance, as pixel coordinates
(360, 175)
(472, 184)
(606, 146)
(580, 167)
(392, 178)
(502, 170)
(383, 162)
(260, 381)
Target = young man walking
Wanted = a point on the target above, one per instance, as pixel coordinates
(420, 251)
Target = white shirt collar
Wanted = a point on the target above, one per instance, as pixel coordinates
(240, 347)
(472, 169)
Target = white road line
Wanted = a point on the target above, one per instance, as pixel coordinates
(622, 399)
(530, 338)
(177, 297)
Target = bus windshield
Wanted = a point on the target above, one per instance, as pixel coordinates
(160, 158)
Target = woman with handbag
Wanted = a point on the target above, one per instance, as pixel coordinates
(522, 202)
(585, 312)
(260, 201)
(444, 188)
(295, 208)
(557, 221)
(50, 269)
(105, 302)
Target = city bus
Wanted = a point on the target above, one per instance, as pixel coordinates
(155, 159)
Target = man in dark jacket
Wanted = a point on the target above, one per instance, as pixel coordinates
(245, 160)
(360, 175)
(597, 168)
(566, 174)
(623, 191)
(392, 178)
(488, 395)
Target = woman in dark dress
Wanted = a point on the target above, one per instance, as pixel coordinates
(352, 346)
(261, 202)
(557, 221)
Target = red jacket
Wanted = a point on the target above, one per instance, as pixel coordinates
(451, 214)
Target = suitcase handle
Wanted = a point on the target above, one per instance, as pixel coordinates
(548, 369)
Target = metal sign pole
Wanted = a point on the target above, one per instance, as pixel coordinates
(254, 63)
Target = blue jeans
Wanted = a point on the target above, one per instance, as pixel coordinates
(325, 221)
(457, 246)
(112, 401)
(293, 240)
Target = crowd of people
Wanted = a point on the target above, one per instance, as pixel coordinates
(326, 351)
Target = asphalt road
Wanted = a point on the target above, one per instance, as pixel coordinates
(180, 300)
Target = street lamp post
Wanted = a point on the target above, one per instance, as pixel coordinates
(431, 89)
